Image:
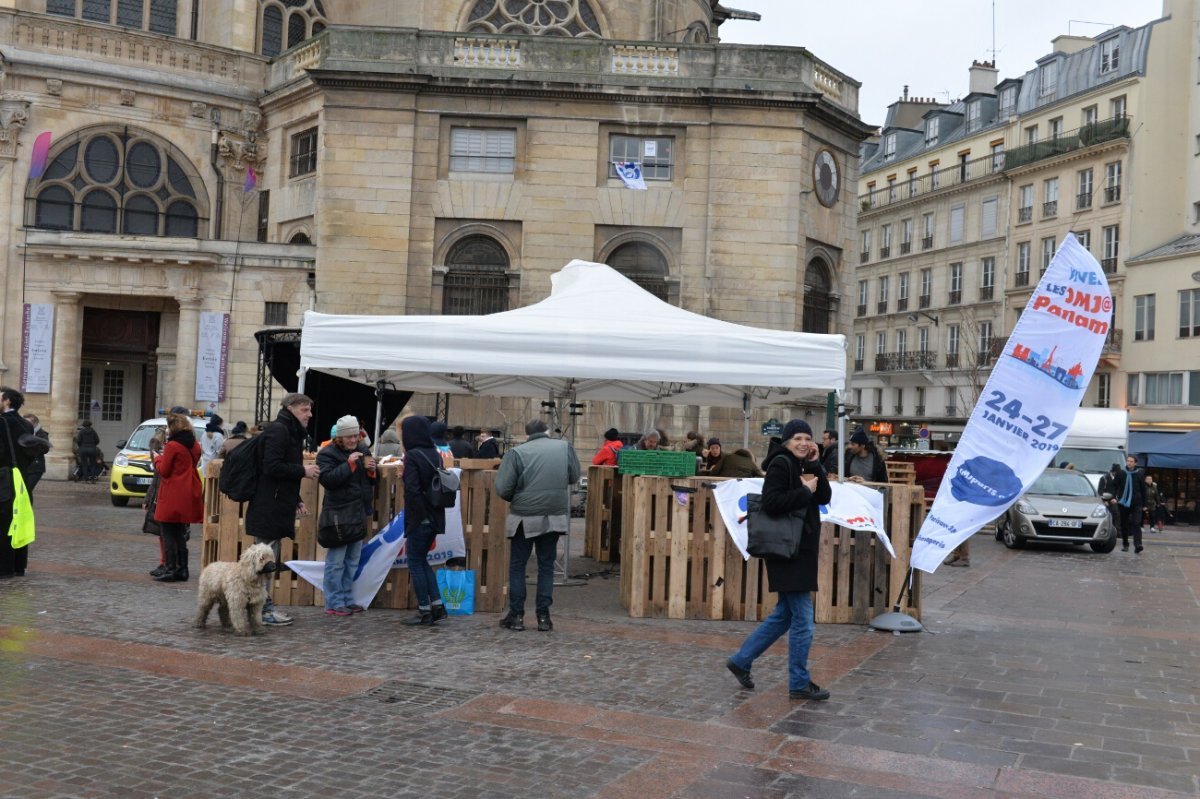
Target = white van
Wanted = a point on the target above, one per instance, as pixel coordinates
(1098, 438)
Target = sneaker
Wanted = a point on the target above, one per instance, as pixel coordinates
(354, 607)
(338, 612)
(437, 613)
(813, 691)
(273, 618)
(743, 675)
(513, 622)
(544, 623)
(423, 619)
(159, 571)
(1138, 550)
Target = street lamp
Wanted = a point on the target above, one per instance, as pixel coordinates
(912, 317)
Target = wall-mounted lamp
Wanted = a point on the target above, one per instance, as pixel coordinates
(912, 317)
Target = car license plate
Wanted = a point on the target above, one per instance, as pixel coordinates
(144, 481)
(1076, 523)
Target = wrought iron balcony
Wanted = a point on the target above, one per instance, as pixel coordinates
(1095, 133)
(905, 247)
(905, 361)
(1025, 214)
(951, 360)
(881, 306)
(1109, 265)
(1021, 278)
(878, 409)
(1112, 342)
(931, 181)
(884, 252)
(1050, 209)
(952, 410)
(861, 310)
(1083, 200)
(985, 292)
(902, 303)
(926, 242)
(919, 410)
(955, 297)
(864, 257)
(858, 364)
(1112, 194)
(899, 409)
(923, 301)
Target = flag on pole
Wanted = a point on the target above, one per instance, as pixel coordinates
(1027, 404)
(377, 558)
(630, 173)
(37, 161)
(855, 506)
(251, 179)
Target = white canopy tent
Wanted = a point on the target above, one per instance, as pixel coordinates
(598, 336)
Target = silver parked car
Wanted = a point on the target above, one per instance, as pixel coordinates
(1061, 507)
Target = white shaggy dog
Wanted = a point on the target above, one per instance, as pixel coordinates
(237, 588)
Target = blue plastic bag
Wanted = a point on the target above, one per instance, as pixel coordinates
(457, 587)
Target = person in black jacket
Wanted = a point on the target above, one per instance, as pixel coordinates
(87, 440)
(459, 446)
(795, 482)
(1128, 488)
(348, 475)
(271, 514)
(422, 522)
(12, 455)
(488, 446)
(864, 463)
(37, 465)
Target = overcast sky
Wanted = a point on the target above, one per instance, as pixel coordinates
(927, 44)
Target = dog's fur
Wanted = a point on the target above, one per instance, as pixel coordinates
(237, 588)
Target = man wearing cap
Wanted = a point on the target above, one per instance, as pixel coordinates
(864, 464)
(271, 512)
(347, 471)
(535, 478)
(607, 456)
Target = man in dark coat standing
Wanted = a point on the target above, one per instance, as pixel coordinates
(12, 455)
(795, 485)
(488, 446)
(1129, 491)
(459, 446)
(37, 465)
(272, 511)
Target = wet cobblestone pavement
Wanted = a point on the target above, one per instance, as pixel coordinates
(1046, 673)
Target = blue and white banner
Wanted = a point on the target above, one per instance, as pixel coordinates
(630, 173)
(385, 552)
(1028, 403)
(855, 506)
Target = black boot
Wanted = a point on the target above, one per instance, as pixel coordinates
(423, 618)
(159, 570)
(437, 612)
(513, 622)
(544, 623)
(168, 568)
(181, 565)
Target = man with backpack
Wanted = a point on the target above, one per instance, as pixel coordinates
(271, 515)
(535, 479)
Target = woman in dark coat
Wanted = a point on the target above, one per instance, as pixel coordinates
(795, 481)
(180, 496)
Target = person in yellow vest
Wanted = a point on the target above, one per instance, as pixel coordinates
(13, 458)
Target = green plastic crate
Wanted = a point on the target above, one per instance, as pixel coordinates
(656, 462)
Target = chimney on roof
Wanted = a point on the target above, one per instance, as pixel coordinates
(983, 77)
(905, 98)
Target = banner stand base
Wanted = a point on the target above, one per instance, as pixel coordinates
(896, 622)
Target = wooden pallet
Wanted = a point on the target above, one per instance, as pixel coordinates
(901, 472)
(602, 536)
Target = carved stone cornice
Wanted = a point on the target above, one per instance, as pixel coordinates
(246, 145)
(14, 114)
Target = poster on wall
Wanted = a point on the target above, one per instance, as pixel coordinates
(212, 356)
(37, 346)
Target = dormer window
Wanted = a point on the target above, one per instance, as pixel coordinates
(931, 130)
(1008, 101)
(889, 145)
(1048, 76)
(974, 115)
(1110, 55)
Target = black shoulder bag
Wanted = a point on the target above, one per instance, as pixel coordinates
(773, 537)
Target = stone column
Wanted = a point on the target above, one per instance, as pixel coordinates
(64, 382)
(183, 392)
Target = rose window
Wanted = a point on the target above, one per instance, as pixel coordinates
(573, 18)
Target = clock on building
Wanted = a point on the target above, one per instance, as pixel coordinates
(825, 178)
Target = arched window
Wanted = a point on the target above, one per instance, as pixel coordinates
(476, 280)
(124, 182)
(300, 238)
(283, 24)
(644, 264)
(572, 18)
(696, 33)
(818, 298)
(157, 16)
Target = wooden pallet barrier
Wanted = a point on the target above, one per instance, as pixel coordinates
(602, 535)
(679, 562)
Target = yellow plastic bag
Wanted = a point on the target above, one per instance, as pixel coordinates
(21, 529)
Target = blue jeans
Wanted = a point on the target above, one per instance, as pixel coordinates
(417, 544)
(341, 563)
(520, 548)
(794, 615)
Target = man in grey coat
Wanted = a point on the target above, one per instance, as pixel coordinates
(535, 480)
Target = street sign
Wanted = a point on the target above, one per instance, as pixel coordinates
(772, 427)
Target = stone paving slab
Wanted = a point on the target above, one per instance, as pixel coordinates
(1046, 673)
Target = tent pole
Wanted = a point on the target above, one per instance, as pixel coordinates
(746, 419)
(841, 431)
(300, 385)
(379, 384)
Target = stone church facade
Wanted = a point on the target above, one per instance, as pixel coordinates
(260, 158)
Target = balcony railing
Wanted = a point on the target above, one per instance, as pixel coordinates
(985, 292)
(858, 364)
(1109, 265)
(905, 247)
(1088, 135)
(955, 297)
(1083, 200)
(861, 310)
(923, 301)
(926, 242)
(951, 360)
(1050, 209)
(1025, 214)
(864, 256)
(1112, 342)
(932, 181)
(1112, 194)
(899, 409)
(884, 252)
(902, 303)
(1022, 278)
(919, 410)
(905, 361)
(878, 409)
(952, 410)
(881, 306)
